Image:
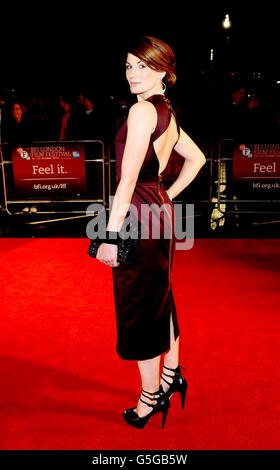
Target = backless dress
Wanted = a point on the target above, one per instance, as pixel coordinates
(143, 294)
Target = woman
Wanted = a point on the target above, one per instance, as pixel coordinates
(145, 310)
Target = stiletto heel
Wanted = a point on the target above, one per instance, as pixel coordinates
(178, 384)
(183, 393)
(164, 414)
(161, 405)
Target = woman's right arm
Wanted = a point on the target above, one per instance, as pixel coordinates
(194, 160)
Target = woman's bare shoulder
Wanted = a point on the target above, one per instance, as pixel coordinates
(142, 112)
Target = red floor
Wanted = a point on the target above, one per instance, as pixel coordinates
(63, 386)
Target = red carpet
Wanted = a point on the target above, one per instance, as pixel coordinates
(63, 386)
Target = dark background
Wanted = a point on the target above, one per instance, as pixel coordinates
(56, 46)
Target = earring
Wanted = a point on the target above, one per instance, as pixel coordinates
(164, 90)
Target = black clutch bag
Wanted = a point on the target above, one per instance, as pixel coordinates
(127, 245)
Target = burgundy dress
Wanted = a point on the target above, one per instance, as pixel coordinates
(142, 292)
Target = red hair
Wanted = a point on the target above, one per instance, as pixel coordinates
(157, 55)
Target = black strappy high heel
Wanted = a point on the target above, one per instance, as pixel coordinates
(162, 405)
(179, 383)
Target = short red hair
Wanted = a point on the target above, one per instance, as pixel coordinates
(157, 55)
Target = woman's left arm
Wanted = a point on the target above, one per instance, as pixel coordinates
(141, 121)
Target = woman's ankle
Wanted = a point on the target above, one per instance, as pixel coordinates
(171, 364)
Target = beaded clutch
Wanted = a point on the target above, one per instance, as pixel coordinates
(126, 246)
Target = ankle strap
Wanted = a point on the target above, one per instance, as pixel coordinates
(150, 398)
(171, 376)
(149, 404)
(150, 393)
(174, 369)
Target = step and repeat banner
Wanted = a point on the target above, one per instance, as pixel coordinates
(41, 168)
(258, 165)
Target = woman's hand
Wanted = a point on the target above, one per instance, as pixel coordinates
(107, 254)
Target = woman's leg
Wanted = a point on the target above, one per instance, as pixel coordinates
(149, 371)
(171, 358)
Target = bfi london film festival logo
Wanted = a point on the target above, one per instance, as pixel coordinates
(246, 151)
(23, 153)
(96, 227)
